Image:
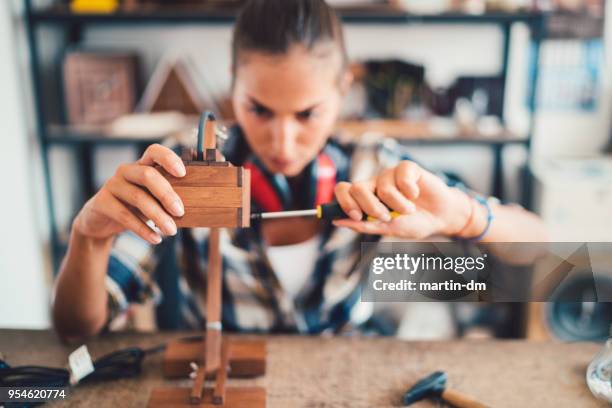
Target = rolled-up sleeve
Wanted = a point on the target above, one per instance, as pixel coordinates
(129, 277)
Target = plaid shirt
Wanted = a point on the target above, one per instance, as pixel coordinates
(253, 298)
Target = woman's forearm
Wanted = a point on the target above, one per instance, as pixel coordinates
(515, 224)
(80, 302)
(510, 224)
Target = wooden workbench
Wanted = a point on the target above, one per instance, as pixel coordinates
(349, 372)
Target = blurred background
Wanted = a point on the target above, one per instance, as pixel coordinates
(513, 96)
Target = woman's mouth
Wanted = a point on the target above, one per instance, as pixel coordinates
(281, 163)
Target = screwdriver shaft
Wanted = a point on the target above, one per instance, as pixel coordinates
(285, 214)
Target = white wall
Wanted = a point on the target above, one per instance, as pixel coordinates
(24, 294)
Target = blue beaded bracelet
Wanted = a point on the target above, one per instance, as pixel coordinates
(478, 238)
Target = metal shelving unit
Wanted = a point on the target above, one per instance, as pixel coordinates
(73, 24)
(206, 15)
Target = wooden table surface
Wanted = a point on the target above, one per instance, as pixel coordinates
(347, 372)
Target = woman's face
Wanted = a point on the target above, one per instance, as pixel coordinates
(287, 105)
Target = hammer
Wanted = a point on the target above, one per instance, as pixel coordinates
(435, 386)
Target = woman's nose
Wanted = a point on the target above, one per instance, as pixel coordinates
(285, 135)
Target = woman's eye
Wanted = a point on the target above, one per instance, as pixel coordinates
(304, 115)
(260, 111)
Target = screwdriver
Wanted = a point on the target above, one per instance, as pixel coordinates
(330, 211)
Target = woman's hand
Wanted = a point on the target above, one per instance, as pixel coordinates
(426, 205)
(135, 193)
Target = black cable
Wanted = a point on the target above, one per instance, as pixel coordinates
(119, 364)
(33, 376)
(123, 363)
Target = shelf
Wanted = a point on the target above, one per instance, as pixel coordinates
(420, 133)
(143, 15)
(463, 141)
(406, 133)
(208, 15)
(362, 16)
(65, 135)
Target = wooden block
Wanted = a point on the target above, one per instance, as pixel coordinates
(204, 176)
(235, 397)
(209, 217)
(247, 359)
(210, 197)
(213, 196)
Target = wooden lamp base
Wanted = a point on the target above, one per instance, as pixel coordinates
(246, 358)
(216, 195)
(249, 358)
(235, 397)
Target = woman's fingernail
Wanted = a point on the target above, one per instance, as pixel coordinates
(177, 208)
(170, 227)
(156, 239)
(179, 169)
(355, 215)
(385, 217)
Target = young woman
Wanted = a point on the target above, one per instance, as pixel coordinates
(289, 76)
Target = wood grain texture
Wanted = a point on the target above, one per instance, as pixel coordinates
(246, 358)
(204, 176)
(210, 197)
(209, 217)
(213, 196)
(235, 397)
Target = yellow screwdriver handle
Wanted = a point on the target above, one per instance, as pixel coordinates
(333, 211)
